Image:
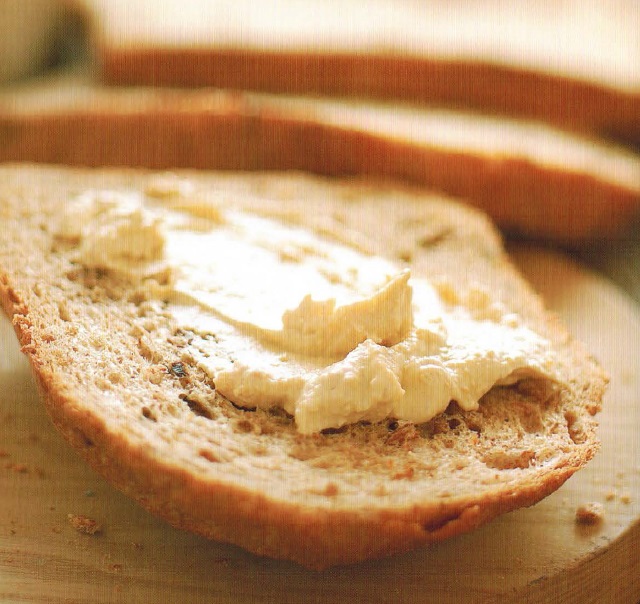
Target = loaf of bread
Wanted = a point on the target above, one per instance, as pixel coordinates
(121, 381)
(575, 65)
(530, 178)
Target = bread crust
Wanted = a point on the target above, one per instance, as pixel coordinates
(510, 91)
(318, 525)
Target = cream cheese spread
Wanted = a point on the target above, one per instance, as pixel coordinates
(287, 318)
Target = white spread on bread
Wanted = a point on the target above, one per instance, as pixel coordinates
(288, 318)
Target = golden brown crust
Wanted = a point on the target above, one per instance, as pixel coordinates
(247, 477)
(312, 538)
(510, 91)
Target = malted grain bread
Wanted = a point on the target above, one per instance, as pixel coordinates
(120, 383)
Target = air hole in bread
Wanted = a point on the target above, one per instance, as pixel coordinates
(197, 407)
(452, 408)
(241, 408)
(392, 425)
(339, 430)
(208, 455)
(148, 414)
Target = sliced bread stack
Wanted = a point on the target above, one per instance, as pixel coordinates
(570, 63)
(532, 179)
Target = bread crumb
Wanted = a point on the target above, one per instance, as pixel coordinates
(625, 498)
(610, 496)
(4, 453)
(590, 513)
(84, 524)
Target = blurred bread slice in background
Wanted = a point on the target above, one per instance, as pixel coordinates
(568, 62)
(532, 179)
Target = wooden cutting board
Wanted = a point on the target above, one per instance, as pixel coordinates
(531, 556)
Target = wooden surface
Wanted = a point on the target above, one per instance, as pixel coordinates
(530, 556)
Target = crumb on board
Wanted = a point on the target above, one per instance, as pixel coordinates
(590, 513)
(625, 498)
(84, 524)
(610, 496)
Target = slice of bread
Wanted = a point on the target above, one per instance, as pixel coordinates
(530, 178)
(575, 65)
(103, 357)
